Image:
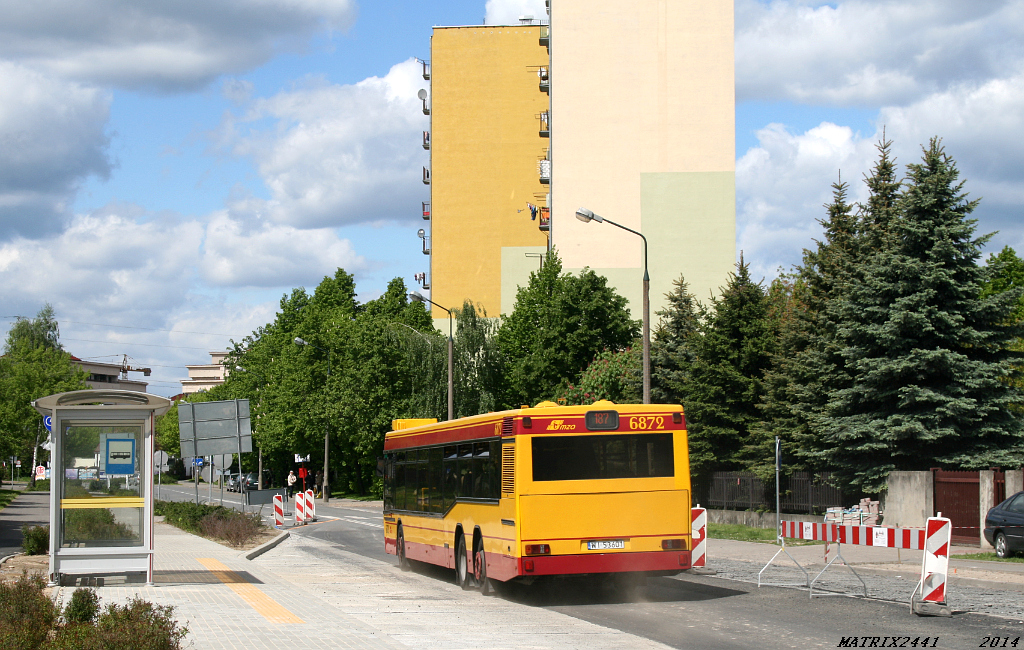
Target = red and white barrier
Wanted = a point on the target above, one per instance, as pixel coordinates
(930, 595)
(310, 506)
(905, 538)
(278, 511)
(300, 508)
(699, 535)
(931, 589)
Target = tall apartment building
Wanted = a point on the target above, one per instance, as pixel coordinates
(626, 109)
(484, 143)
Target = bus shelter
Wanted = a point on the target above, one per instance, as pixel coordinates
(101, 486)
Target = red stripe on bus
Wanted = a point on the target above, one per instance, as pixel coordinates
(606, 563)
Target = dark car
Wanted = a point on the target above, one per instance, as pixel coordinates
(251, 480)
(1004, 526)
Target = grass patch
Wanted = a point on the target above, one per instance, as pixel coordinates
(988, 557)
(6, 496)
(750, 534)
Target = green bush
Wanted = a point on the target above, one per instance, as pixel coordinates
(165, 479)
(139, 625)
(26, 614)
(35, 540)
(42, 485)
(211, 521)
(83, 606)
(186, 515)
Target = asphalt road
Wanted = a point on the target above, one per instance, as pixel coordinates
(691, 611)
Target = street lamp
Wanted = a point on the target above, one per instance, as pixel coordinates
(327, 430)
(418, 297)
(259, 476)
(586, 216)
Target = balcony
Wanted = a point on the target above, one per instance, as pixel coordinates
(544, 168)
(422, 279)
(545, 124)
(426, 176)
(545, 35)
(426, 69)
(426, 210)
(545, 84)
(545, 220)
(426, 140)
(426, 109)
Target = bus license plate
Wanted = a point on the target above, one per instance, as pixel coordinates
(606, 544)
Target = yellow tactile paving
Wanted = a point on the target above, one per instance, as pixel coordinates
(250, 593)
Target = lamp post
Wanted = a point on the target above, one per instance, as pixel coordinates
(586, 216)
(327, 430)
(418, 297)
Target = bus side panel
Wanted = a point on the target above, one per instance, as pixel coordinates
(424, 539)
(500, 543)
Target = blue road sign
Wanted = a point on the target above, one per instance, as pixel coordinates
(198, 462)
(48, 423)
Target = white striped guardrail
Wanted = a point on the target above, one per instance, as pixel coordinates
(905, 538)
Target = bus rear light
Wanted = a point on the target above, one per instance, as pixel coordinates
(677, 418)
(528, 565)
(527, 422)
(671, 544)
(538, 549)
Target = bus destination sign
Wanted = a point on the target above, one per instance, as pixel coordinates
(602, 420)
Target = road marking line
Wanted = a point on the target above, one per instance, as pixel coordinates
(250, 593)
(362, 523)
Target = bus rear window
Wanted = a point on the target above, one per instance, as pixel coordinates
(583, 458)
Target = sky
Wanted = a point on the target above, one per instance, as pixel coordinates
(168, 170)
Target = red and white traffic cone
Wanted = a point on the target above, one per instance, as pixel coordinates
(310, 506)
(278, 511)
(698, 532)
(300, 514)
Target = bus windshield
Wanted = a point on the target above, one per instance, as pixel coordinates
(582, 458)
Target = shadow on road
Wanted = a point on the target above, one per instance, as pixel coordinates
(588, 590)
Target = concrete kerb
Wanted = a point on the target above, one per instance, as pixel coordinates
(263, 548)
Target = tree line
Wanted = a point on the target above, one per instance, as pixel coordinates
(890, 346)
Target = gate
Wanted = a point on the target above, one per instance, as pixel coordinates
(957, 497)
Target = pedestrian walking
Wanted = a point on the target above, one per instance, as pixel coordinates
(318, 483)
(291, 483)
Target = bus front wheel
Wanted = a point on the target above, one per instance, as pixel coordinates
(461, 568)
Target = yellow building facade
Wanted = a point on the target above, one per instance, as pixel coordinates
(485, 104)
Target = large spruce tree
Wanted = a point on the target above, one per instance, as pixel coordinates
(724, 382)
(927, 355)
(672, 344)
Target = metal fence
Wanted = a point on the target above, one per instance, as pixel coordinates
(802, 492)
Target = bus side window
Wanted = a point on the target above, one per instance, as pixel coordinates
(399, 480)
(481, 479)
(410, 480)
(422, 483)
(465, 488)
(451, 478)
(434, 475)
(389, 482)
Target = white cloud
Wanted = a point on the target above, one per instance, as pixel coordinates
(336, 154)
(783, 182)
(507, 12)
(269, 255)
(52, 136)
(161, 45)
(870, 52)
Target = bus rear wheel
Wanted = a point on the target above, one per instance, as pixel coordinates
(461, 568)
(480, 568)
(403, 560)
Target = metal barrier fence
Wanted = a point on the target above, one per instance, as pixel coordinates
(801, 492)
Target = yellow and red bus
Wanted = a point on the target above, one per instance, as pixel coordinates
(543, 491)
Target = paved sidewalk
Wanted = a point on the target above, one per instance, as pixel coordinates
(29, 508)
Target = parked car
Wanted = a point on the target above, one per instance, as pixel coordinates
(232, 483)
(251, 482)
(1004, 526)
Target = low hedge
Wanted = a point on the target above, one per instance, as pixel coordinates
(209, 520)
